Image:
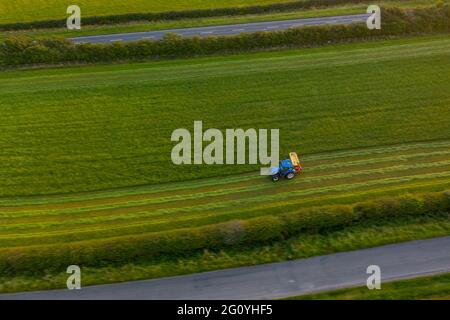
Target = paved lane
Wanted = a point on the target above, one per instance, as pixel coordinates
(224, 30)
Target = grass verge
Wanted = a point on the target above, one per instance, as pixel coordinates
(436, 287)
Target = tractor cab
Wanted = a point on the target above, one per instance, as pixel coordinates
(286, 165)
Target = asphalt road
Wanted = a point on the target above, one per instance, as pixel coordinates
(224, 30)
(276, 280)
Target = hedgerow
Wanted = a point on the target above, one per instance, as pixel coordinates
(178, 15)
(238, 233)
(20, 51)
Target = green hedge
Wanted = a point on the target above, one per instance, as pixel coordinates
(261, 230)
(178, 15)
(24, 51)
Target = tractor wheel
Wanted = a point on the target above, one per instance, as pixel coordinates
(275, 177)
(290, 175)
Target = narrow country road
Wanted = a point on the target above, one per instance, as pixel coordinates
(276, 280)
(223, 30)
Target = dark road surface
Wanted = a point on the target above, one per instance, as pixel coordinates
(277, 280)
(224, 30)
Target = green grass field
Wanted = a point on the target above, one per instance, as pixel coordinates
(435, 287)
(86, 150)
(36, 10)
(104, 127)
(368, 120)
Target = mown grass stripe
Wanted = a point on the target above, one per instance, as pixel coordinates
(143, 215)
(253, 176)
(262, 185)
(210, 182)
(122, 236)
(434, 185)
(142, 227)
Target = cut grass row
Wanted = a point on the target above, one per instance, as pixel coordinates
(310, 181)
(412, 155)
(436, 287)
(353, 157)
(221, 201)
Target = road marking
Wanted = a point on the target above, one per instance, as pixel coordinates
(252, 27)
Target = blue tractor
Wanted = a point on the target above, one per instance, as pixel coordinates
(288, 168)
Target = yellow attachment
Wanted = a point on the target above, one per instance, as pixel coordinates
(294, 159)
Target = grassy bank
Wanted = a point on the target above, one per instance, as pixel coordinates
(432, 287)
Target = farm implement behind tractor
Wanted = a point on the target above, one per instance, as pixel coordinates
(288, 168)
